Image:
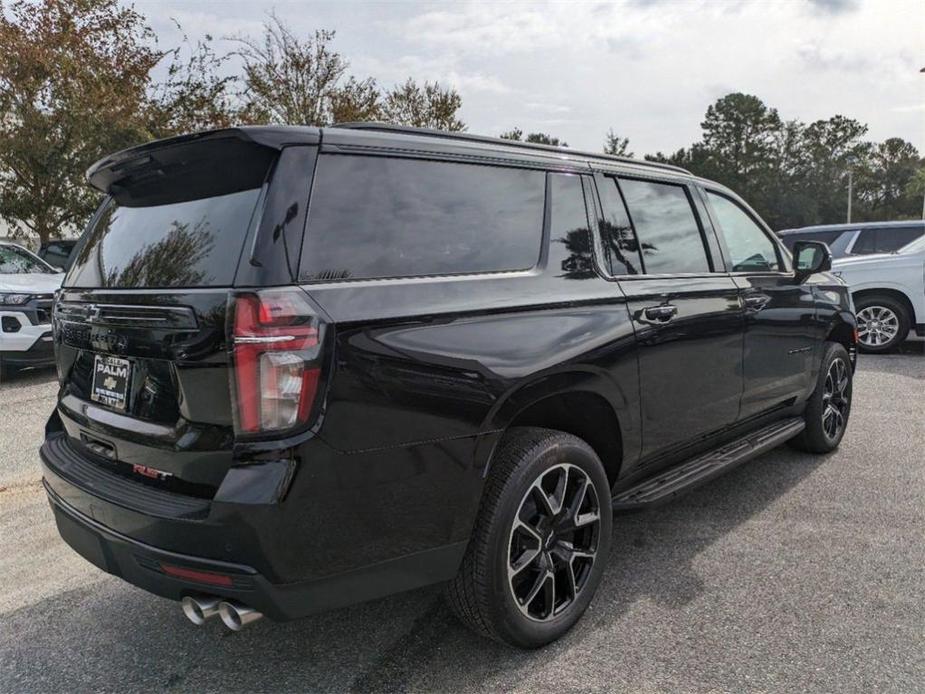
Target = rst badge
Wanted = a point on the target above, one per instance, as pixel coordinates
(111, 378)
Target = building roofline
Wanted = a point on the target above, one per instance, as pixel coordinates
(498, 141)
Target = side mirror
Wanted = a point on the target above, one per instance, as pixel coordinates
(810, 257)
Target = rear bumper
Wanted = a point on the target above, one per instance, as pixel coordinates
(288, 559)
(141, 565)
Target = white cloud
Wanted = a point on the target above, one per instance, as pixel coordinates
(647, 68)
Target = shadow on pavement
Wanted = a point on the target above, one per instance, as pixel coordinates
(114, 636)
(27, 377)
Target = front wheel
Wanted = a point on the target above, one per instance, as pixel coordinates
(540, 541)
(883, 323)
(828, 407)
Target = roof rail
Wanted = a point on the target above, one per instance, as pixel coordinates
(484, 139)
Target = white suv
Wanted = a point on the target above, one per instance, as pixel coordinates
(27, 287)
(889, 295)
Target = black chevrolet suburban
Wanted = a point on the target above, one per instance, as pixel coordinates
(301, 368)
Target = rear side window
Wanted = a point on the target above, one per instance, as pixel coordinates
(871, 241)
(750, 249)
(666, 227)
(193, 243)
(569, 233)
(378, 217)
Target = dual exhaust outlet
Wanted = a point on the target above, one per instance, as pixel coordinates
(200, 608)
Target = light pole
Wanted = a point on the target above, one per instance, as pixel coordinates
(850, 190)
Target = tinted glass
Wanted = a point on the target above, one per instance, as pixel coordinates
(666, 227)
(618, 239)
(884, 240)
(826, 237)
(865, 243)
(16, 261)
(569, 233)
(750, 249)
(183, 244)
(379, 217)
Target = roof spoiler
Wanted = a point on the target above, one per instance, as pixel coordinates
(114, 169)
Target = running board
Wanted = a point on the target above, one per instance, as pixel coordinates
(679, 479)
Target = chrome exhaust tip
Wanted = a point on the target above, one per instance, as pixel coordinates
(236, 616)
(199, 608)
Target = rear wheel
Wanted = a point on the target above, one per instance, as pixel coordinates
(540, 541)
(883, 323)
(830, 404)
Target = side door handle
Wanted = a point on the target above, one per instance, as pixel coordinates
(657, 315)
(756, 302)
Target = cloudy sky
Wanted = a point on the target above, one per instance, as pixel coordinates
(646, 68)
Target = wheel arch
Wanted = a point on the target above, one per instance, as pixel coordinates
(582, 411)
(896, 294)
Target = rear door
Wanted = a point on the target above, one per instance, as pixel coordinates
(780, 325)
(686, 315)
(140, 325)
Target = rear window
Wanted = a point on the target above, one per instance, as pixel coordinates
(193, 243)
(379, 217)
(886, 240)
(826, 237)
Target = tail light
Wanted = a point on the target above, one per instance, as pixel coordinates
(276, 355)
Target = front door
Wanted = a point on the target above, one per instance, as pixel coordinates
(780, 333)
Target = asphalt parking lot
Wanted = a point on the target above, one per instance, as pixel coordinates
(792, 573)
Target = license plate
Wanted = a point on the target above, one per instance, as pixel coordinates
(111, 377)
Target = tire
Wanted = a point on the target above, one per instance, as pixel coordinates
(892, 321)
(829, 405)
(491, 593)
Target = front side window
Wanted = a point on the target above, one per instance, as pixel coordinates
(378, 217)
(17, 261)
(621, 251)
(666, 227)
(750, 249)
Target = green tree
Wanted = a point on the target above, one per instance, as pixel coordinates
(886, 183)
(197, 93)
(739, 140)
(291, 80)
(73, 81)
(615, 145)
(427, 106)
(829, 148)
(536, 138)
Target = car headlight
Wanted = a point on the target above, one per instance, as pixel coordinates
(13, 299)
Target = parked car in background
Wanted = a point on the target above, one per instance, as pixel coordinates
(27, 286)
(58, 252)
(889, 295)
(868, 238)
(449, 365)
